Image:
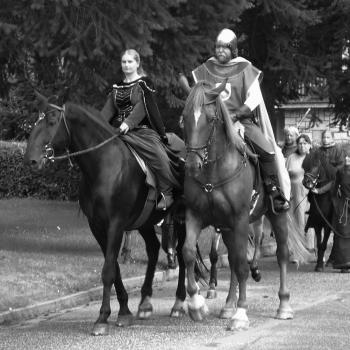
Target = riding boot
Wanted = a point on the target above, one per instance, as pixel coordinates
(166, 195)
(278, 201)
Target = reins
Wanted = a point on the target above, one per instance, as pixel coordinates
(49, 151)
(327, 222)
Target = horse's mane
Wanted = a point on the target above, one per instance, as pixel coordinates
(93, 114)
(316, 159)
(311, 159)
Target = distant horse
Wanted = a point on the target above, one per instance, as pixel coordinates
(317, 174)
(112, 195)
(219, 183)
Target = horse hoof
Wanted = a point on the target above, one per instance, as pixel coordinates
(319, 268)
(211, 294)
(144, 314)
(198, 315)
(227, 312)
(177, 313)
(238, 325)
(100, 329)
(256, 274)
(125, 321)
(284, 314)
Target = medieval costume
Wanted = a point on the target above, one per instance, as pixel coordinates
(243, 88)
(341, 221)
(134, 103)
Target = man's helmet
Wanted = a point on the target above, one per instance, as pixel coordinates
(229, 39)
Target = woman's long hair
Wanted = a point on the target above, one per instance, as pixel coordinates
(136, 55)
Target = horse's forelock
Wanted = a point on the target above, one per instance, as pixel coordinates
(196, 99)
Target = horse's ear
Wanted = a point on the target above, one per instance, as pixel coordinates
(42, 101)
(214, 93)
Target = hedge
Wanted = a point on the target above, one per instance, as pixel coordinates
(57, 181)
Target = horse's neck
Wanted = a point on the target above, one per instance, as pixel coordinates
(221, 147)
(87, 134)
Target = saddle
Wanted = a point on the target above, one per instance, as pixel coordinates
(176, 152)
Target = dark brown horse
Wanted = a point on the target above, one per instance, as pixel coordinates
(112, 195)
(219, 183)
(318, 173)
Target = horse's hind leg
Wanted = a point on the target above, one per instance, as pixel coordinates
(280, 228)
(178, 308)
(213, 256)
(148, 233)
(257, 228)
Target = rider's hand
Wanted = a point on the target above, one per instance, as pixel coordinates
(314, 190)
(124, 128)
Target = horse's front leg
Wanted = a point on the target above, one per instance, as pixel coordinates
(320, 250)
(197, 307)
(148, 233)
(110, 275)
(236, 241)
(280, 228)
(213, 256)
(178, 309)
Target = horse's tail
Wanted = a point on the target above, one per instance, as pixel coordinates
(297, 243)
(201, 270)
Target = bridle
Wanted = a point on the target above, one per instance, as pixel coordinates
(202, 152)
(311, 179)
(49, 153)
(209, 187)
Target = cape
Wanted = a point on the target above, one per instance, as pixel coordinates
(214, 72)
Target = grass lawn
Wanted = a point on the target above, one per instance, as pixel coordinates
(48, 251)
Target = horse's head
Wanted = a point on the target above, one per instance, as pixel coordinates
(200, 117)
(312, 168)
(45, 133)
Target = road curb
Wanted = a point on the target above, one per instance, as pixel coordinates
(85, 297)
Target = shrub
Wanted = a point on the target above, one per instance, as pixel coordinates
(58, 181)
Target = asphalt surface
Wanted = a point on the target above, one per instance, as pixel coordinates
(321, 303)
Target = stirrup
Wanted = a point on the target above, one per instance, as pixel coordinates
(279, 203)
(165, 202)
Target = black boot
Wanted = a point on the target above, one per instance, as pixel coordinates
(166, 196)
(279, 202)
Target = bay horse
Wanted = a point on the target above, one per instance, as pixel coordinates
(219, 182)
(112, 194)
(317, 175)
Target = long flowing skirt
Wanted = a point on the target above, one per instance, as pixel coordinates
(341, 241)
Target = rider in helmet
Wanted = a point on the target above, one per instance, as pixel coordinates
(242, 97)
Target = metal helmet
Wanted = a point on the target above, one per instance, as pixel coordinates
(227, 38)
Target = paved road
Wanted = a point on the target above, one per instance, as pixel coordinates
(321, 302)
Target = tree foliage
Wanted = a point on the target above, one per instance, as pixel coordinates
(73, 46)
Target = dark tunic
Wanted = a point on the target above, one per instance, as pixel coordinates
(134, 104)
(341, 222)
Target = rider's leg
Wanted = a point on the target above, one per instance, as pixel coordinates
(166, 193)
(271, 181)
(267, 163)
